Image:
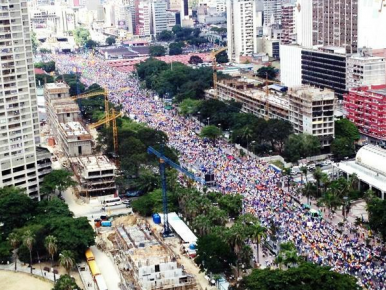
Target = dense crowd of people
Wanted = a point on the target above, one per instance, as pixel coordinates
(320, 241)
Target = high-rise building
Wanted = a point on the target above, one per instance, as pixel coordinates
(335, 23)
(303, 16)
(19, 125)
(241, 17)
(159, 17)
(288, 33)
(272, 11)
(143, 24)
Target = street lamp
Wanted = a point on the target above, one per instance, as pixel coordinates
(208, 120)
(199, 116)
(345, 201)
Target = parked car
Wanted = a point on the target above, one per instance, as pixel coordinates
(311, 166)
(326, 162)
(126, 201)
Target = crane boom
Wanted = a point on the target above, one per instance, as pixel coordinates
(214, 67)
(162, 161)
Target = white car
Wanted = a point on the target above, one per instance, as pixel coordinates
(311, 166)
(326, 162)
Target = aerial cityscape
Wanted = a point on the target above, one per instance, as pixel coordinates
(193, 144)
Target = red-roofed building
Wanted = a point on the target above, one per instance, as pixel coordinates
(39, 71)
(365, 107)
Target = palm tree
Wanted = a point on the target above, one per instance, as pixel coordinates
(50, 243)
(318, 174)
(257, 232)
(67, 260)
(14, 240)
(202, 224)
(304, 171)
(247, 133)
(325, 180)
(28, 242)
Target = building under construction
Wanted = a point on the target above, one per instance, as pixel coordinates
(150, 263)
(95, 174)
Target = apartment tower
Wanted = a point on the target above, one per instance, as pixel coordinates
(335, 23)
(241, 24)
(19, 124)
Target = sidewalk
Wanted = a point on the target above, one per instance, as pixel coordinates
(21, 267)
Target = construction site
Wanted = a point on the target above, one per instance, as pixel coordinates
(73, 144)
(145, 259)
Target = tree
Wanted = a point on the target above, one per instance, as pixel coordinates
(165, 35)
(231, 203)
(81, 35)
(318, 175)
(189, 106)
(57, 180)
(110, 40)
(175, 48)
(267, 71)
(157, 50)
(14, 241)
(65, 282)
(257, 232)
(91, 44)
(35, 42)
(342, 147)
(51, 245)
(277, 132)
(306, 276)
(377, 215)
(213, 254)
(46, 66)
(28, 242)
(222, 57)
(42, 79)
(147, 182)
(344, 128)
(300, 146)
(287, 255)
(211, 132)
(67, 260)
(195, 59)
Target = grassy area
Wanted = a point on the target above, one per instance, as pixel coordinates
(278, 163)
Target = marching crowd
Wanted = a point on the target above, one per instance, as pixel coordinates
(322, 242)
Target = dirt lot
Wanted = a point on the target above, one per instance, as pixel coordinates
(22, 281)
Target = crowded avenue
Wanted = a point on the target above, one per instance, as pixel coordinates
(317, 239)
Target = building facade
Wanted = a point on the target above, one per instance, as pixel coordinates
(364, 70)
(310, 110)
(19, 123)
(365, 108)
(288, 33)
(241, 28)
(291, 65)
(325, 69)
(159, 16)
(335, 23)
(272, 12)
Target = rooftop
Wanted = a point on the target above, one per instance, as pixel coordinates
(74, 129)
(95, 162)
(57, 85)
(379, 92)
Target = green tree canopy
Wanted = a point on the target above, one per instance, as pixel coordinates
(344, 128)
(57, 180)
(214, 254)
(189, 106)
(195, 59)
(46, 66)
(110, 40)
(222, 57)
(301, 146)
(175, 48)
(81, 35)
(65, 282)
(305, 277)
(265, 71)
(165, 35)
(157, 50)
(42, 79)
(342, 147)
(377, 215)
(211, 132)
(91, 44)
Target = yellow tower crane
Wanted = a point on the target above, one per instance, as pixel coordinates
(95, 94)
(214, 66)
(112, 118)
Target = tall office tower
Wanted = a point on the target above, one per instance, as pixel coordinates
(241, 18)
(143, 25)
(19, 126)
(272, 10)
(335, 23)
(303, 16)
(159, 16)
(288, 33)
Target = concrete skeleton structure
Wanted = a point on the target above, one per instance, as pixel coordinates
(150, 262)
(95, 174)
(309, 109)
(19, 129)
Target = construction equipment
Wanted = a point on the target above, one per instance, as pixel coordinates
(162, 161)
(111, 118)
(95, 94)
(266, 117)
(214, 66)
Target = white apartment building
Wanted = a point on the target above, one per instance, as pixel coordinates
(241, 18)
(291, 65)
(363, 69)
(303, 23)
(159, 16)
(19, 124)
(272, 10)
(144, 19)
